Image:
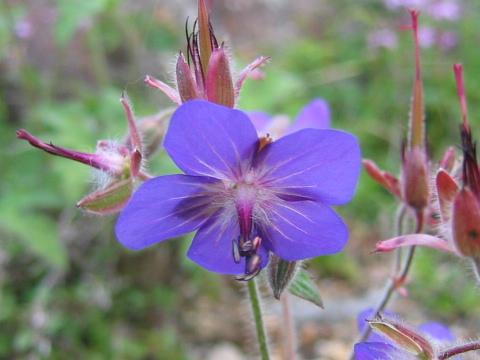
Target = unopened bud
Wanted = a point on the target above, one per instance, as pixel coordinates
(448, 160)
(415, 178)
(187, 87)
(466, 223)
(219, 84)
(405, 336)
(447, 188)
(109, 200)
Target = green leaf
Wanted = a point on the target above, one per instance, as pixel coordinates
(38, 232)
(304, 287)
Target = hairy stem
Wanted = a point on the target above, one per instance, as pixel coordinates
(290, 336)
(400, 274)
(459, 350)
(257, 317)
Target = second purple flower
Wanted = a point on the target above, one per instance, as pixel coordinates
(245, 202)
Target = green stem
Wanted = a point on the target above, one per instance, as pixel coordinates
(257, 316)
(290, 336)
(400, 272)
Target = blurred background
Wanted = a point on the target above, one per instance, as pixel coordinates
(69, 290)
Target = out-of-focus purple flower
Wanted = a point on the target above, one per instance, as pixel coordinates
(24, 29)
(449, 10)
(384, 38)
(448, 40)
(445, 10)
(245, 202)
(315, 115)
(377, 347)
(409, 4)
(427, 36)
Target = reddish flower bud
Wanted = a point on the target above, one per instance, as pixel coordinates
(447, 188)
(471, 172)
(206, 74)
(187, 87)
(448, 160)
(466, 223)
(219, 79)
(415, 178)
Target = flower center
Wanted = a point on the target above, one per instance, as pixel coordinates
(245, 198)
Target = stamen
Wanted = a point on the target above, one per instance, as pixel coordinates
(247, 249)
(257, 242)
(236, 251)
(253, 264)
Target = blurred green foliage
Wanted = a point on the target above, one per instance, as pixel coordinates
(68, 289)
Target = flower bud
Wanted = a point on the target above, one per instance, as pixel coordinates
(187, 88)
(447, 188)
(466, 223)
(415, 178)
(448, 160)
(405, 336)
(109, 200)
(219, 84)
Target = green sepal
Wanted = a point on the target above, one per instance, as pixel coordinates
(304, 287)
(280, 274)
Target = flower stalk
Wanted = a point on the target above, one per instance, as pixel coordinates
(398, 279)
(459, 350)
(290, 334)
(258, 319)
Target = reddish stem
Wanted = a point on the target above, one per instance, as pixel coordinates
(459, 350)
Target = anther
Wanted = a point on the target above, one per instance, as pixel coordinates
(247, 249)
(236, 252)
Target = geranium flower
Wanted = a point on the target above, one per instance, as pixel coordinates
(315, 115)
(400, 341)
(244, 202)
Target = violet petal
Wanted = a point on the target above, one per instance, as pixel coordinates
(315, 115)
(304, 229)
(260, 120)
(438, 331)
(319, 164)
(165, 207)
(211, 140)
(212, 246)
(380, 351)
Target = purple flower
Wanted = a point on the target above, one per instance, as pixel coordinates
(244, 202)
(315, 115)
(381, 348)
